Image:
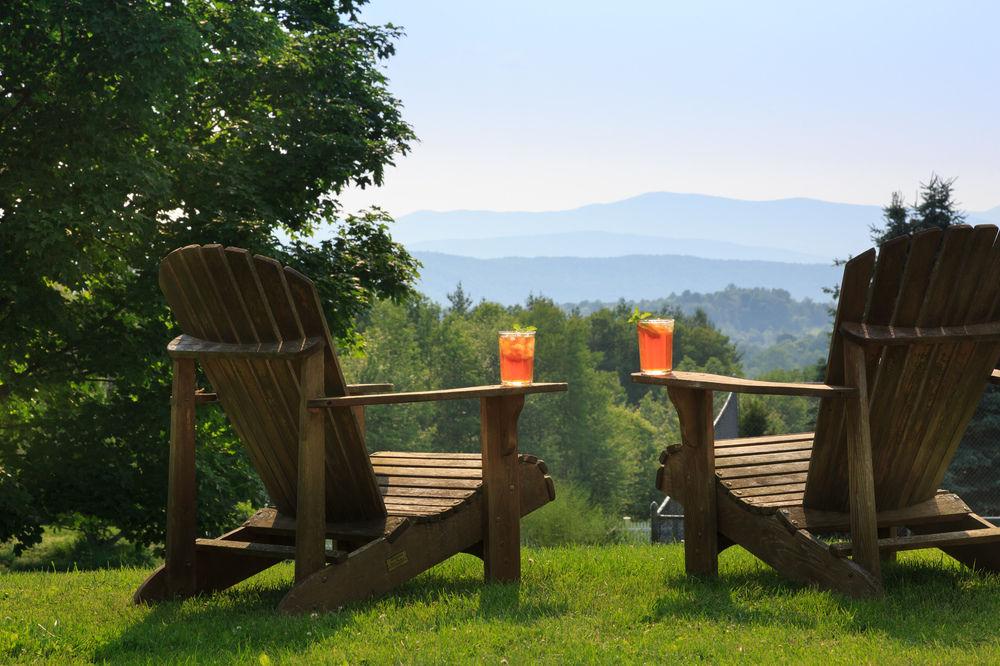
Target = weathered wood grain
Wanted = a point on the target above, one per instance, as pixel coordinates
(181, 500)
(796, 554)
(775, 457)
(445, 463)
(701, 539)
(468, 393)
(766, 480)
(186, 346)
(940, 540)
(864, 532)
(501, 481)
(887, 336)
(265, 550)
(310, 536)
(709, 382)
(827, 483)
(739, 451)
(941, 508)
(761, 441)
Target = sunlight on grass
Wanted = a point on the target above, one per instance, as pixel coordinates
(603, 604)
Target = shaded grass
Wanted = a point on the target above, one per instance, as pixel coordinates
(67, 550)
(590, 605)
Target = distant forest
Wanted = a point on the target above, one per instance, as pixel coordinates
(771, 329)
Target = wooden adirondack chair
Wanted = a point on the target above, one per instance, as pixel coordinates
(915, 341)
(259, 334)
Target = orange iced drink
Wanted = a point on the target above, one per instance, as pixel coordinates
(656, 346)
(517, 357)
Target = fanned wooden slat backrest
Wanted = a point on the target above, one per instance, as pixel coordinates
(921, 397)
(228, 295)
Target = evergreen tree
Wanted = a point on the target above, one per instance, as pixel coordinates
(935, 208)
(459, 300)
(896, 217)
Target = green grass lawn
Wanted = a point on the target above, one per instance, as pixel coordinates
(607, 604)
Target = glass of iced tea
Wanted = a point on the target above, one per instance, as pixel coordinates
(517, 357)
(656, 346)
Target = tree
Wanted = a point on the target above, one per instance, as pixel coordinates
(459, 300)
(935, 208)
(896, 218)
(129, 129)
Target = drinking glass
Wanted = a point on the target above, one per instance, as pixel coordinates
(656, 346)
(517, 357)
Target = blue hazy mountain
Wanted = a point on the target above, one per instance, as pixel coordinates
(805, 228)
(605, 244)
(992, 216)
(511, 280)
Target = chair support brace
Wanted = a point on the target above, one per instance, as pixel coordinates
(186, 346)
(884, 336)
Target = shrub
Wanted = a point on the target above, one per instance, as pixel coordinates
(571, 519)
(18, 520)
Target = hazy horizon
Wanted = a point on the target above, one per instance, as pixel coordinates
(910, 199)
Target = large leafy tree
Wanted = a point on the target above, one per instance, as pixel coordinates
(128, 129)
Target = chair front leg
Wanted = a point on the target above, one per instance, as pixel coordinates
(701, 528)
(310, 510)
(181, 490)
(501, 487)
(864, 526)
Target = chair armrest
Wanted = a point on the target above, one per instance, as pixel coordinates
(995, 377)
(469, 393)
(368, 389)
(705, 381)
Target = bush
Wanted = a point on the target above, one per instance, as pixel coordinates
(570, 519)
(18, 520)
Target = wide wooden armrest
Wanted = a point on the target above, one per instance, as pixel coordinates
(701, 380)
(368, 389)
(186, 346)
(882, 336)
(469, 393)
(203, 397)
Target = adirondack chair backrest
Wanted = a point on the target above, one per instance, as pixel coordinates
(921, 396)
(228, 295)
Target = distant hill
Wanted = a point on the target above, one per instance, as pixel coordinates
(757, 315)
(605, 244)
(992, 216)
(572, 279)
(771, 329)
(805, 227)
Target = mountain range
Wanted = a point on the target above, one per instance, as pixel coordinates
(646, 246)
(797, 229)
(510, 280)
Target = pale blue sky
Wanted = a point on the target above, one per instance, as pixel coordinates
(554, 104)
